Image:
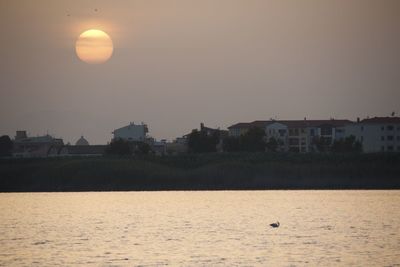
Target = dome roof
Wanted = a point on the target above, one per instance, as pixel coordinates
(82, 142)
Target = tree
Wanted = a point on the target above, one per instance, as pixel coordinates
(272, 145)
(253, 140)
(6, 146)
(321, 143)
(119, 147)
(349, 144)
(201, 142)
(231, 144)
(143, 148)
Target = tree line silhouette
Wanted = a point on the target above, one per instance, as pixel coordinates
(255, 140)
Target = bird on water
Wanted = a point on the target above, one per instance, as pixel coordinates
(275, 225)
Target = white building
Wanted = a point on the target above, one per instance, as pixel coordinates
(296, 135)
(131, 132)
(279, 132)
(378, 134)
(36, 146)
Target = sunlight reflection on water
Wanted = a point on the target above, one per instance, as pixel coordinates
(201, 228)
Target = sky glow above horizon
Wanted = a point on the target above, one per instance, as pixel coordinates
(177, 63)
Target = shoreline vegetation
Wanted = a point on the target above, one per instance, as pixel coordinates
(208, 171)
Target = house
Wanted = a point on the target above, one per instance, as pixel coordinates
(176, 147)
(132, 132)
(159, 147)
(207, 130)
(180, 144)
(279, 132)
(296, 135)
(239, 129)
(302, 135)
(378, 134)
(34, 147)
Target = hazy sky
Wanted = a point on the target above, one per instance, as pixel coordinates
(177, 63)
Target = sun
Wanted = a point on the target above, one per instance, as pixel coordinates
(94, 46)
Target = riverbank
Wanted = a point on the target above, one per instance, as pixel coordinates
(202, 172)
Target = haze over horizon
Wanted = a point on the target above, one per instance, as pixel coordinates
(177, 63)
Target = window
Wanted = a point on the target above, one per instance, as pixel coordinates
(293, 141)
(282, 132)
(326, 131)
(390, 127)
(390, 148)
(362, 128)
(382, 148)
(362, 139)
(390, 138)
(398, 138)
(382, 128)
(303, 130)
(312, 132)
(294, 132)
(339, 130)
(382, 138)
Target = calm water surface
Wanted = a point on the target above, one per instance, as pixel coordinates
(318, 228)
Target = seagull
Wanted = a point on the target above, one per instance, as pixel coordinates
(275, 225)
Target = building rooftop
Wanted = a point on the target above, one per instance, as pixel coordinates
(292, 123)
(132, 125)
(39, 139)
(314, 123)
(240, 125)
(381, 120)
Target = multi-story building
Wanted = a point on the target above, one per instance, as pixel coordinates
(37, 146)
(279, 132)
(132, 132)
(239, 129)
(378, 134)
(296, 135)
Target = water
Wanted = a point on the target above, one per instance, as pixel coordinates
(318, 228)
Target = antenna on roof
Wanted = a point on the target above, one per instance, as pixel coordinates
(393, 113)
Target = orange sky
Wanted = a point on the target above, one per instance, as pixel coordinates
(178, 63)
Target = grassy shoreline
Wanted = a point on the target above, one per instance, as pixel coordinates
(233, 171)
